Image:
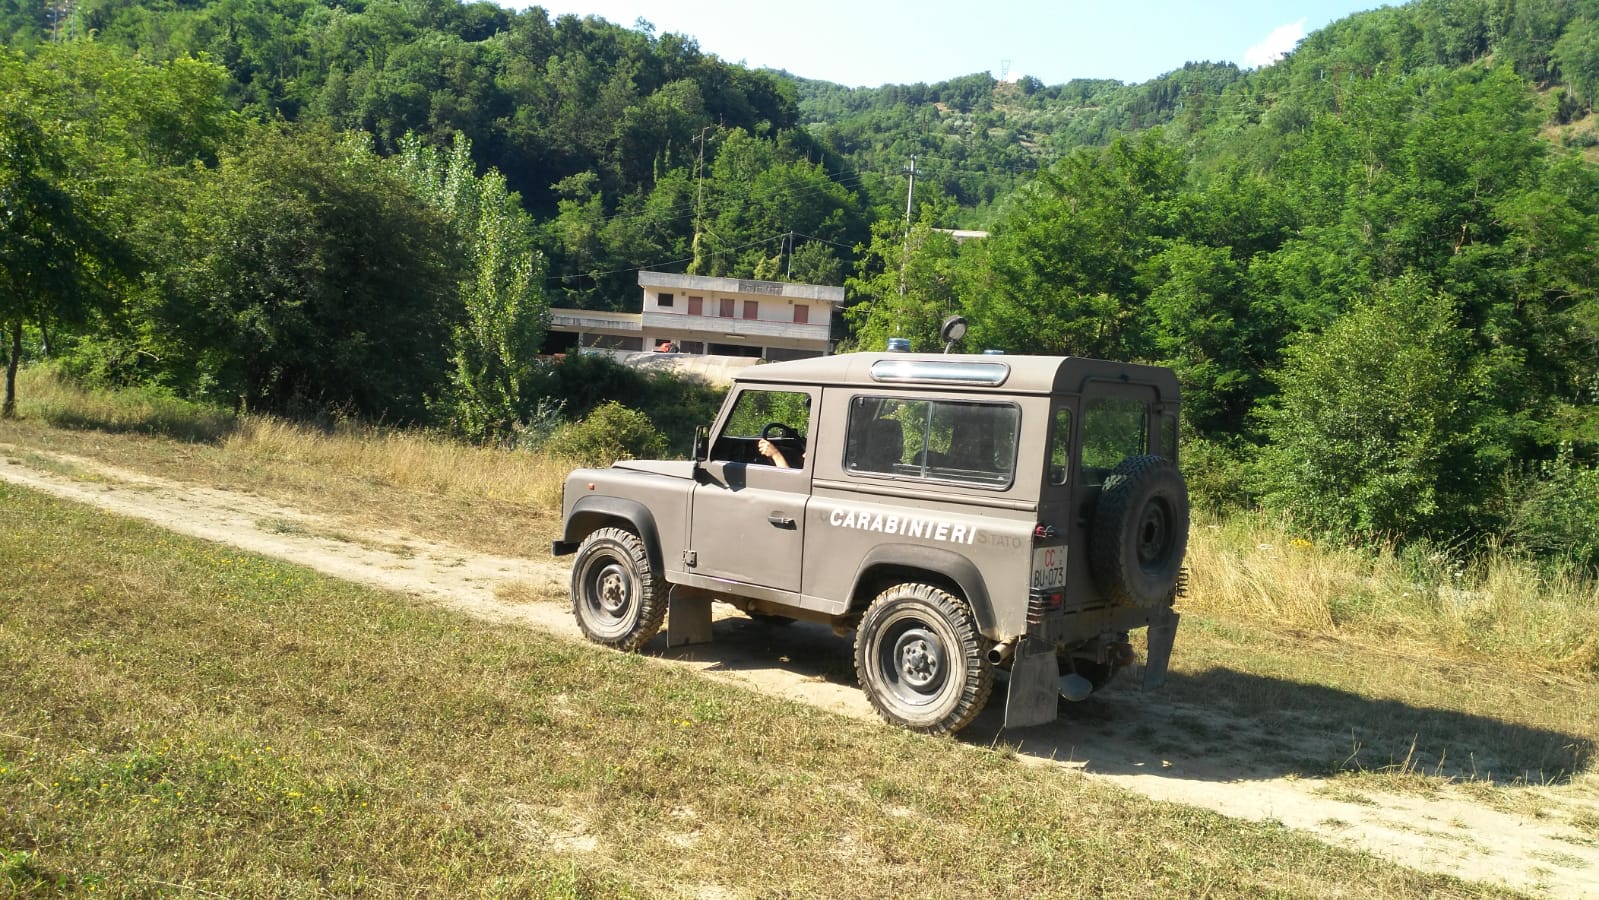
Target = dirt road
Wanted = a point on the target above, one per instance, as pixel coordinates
(1525, 839)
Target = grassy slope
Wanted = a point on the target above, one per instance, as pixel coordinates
(177, 713)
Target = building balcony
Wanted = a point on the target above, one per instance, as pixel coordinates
(587, 320)
(717, 328)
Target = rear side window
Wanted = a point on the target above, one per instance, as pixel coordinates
(936, 440)
(1060, 447)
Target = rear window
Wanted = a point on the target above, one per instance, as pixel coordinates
(1114, 428)
(936, 440)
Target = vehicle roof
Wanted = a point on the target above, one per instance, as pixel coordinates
(1021, 374)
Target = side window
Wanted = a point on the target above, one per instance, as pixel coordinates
(1114, 428)
(783, 416)
(938, 440)
(876, 438)
(1060, 447)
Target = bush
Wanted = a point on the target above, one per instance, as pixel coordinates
(582, 383)
(1371, 437)
(1217, 474)
(609, 433)
(1554, 512)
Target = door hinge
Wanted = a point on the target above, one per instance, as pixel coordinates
(690, 559)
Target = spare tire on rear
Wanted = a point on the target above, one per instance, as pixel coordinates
(1140, 531)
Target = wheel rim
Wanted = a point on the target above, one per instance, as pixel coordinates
(609, 597)
(913, 659)
(1154, 534)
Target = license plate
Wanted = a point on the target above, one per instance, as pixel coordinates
(1049, 568)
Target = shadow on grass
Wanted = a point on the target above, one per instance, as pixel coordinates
(195, 426)
(1216, 725)
(1222, 724)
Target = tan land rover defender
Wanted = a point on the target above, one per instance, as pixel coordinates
(961, 513)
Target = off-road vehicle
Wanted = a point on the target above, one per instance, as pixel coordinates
(961, 514)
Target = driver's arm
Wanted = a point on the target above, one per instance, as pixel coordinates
(769, 450)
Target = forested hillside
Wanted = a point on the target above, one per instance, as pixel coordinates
(1372, 264)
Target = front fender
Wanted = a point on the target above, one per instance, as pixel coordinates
(593, 512)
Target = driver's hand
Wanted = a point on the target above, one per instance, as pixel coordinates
(765, 448)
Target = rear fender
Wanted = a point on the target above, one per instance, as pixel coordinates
(911, 562)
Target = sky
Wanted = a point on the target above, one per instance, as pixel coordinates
(867, 43)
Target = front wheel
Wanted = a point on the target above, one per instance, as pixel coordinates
(616, 597)
(920, 660)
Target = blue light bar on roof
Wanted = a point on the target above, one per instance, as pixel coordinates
(937, 371)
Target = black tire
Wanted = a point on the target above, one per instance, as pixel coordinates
(1140, 531)
(920, 659)
(616, 597)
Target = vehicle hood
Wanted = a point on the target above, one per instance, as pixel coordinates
(676, 468)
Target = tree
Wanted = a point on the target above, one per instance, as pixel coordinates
(501, 291)
(904, 286)
(1059, 274)
(57, 262)
(315, 280)
(1576, 55)
(1371, 436)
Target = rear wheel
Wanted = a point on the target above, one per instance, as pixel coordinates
(920, 660)
(616, 596)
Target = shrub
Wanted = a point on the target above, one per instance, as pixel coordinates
(609, 433)
(1217, 474)
(1554, 512)
(581, 383)
(1370, 437)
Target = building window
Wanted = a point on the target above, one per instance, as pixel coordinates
(664, 301)
(697, 347)
(752, 309)
(696, 306)
(727, 308)
(733, 350)
(802, 314)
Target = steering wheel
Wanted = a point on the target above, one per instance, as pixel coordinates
(779, 431)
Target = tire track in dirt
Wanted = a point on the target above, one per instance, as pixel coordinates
(1112, 740)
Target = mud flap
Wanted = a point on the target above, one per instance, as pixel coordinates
(1034, 694)
(688, 619)
(1162, 635)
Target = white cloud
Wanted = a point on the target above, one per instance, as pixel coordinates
(1276, 45)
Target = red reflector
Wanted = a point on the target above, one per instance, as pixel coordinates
(591, 485)
(1055, 600)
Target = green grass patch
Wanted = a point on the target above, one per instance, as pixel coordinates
(182, 715)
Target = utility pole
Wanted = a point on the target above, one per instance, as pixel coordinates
(699, 201)
(905, 252)
(910, 192)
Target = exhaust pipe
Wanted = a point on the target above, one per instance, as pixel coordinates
(1001, 652)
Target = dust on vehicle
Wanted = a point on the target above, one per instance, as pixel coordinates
(962, 515)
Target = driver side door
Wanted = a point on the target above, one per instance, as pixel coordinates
(748, 517)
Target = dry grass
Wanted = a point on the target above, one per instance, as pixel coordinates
(1498, 608)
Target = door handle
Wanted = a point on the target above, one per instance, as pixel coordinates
(781, 520)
